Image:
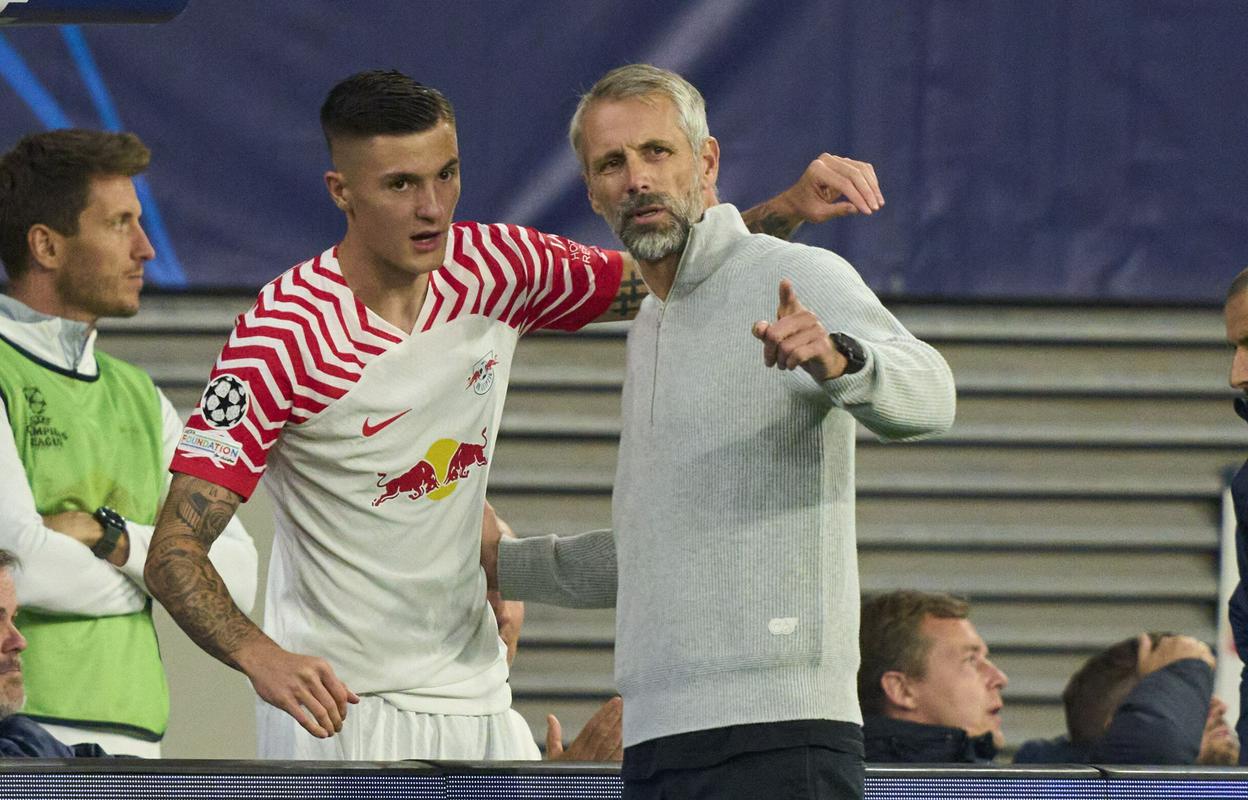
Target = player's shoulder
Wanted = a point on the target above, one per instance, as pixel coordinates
(315, 283)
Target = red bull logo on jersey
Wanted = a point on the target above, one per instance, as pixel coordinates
(482, 378)
(437, 475)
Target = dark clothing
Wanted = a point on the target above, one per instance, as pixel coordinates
(22, 737)
(1161, 721)
(806, 772)
(891, 740)
(1053, 751)
(796, 758)
(1239, 598)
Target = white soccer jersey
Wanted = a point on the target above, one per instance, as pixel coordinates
(377, 446)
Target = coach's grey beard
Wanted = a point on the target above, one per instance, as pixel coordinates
(656, 241)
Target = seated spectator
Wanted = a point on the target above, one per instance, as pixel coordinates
(929, 694)
(1145, 700)
(20, 736)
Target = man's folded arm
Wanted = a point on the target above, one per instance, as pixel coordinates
(58, 574)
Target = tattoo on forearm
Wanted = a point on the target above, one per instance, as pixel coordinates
(182, 578)
(764, 220)
(632, 292)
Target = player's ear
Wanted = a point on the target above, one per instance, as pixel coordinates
(337, 189)
(47, 247)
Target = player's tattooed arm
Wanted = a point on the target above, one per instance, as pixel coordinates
(766, 218)
(628, 297)
(179, 574)
(830, 187)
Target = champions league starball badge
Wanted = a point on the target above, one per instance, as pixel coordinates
(225, 402)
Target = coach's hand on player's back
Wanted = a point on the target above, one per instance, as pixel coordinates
(303, 686)
(798, 339)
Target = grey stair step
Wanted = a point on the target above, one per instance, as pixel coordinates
(1022, 721)
(929, 468)
(541, 671)
(1037, 676)
(924, 522)
(1110, 420)
(1073, 624)
(946, 321)
(1055, 324)
(547, 670)
(1092, 575)
(977, 367)
(160, 314)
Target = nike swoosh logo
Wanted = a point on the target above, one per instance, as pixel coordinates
(369, 430)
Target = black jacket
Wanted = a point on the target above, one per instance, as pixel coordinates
(21, 737)
(889, 740)
(1239, 597)
(1161, 721)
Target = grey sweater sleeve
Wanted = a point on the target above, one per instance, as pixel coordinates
(906, 389)
(571, 571)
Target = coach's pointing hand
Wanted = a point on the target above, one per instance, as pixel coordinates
(798, 338)
(303, 686)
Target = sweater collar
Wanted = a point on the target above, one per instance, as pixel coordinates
(64, 343)
(710, 240)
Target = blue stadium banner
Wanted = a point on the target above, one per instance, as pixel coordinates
(57, 12)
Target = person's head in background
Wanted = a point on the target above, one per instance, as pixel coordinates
(924, 662)
(1098, 688)
(12, 643)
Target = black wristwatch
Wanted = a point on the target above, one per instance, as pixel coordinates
(848, 346)
(114, 526)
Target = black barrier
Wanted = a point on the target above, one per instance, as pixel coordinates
(58, 12)
(112, 779)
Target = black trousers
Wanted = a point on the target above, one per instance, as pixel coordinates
(807, 772)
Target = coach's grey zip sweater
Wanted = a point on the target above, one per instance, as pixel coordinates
(733, 509)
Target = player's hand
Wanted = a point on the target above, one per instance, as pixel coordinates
(798, 339)
(82, 527)
(833, 186)
(305, 687)
(601, 739)
(510, 617)
(1169, 649)
(493, 528)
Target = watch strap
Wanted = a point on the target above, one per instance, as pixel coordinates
(848, 346)
(114, 526)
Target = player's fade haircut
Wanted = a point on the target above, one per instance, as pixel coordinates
(644, 81)
(46, 178)
(381, 102)
(1239, 284)
(1095, 691)
(889, 638)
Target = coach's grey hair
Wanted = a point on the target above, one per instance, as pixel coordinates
(640, 80)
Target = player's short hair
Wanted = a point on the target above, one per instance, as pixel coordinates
(381, 102)
(8, 560)
(1239, 284)
(889, 638)
(645, 80)
(1095, 691)
(46, 179)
